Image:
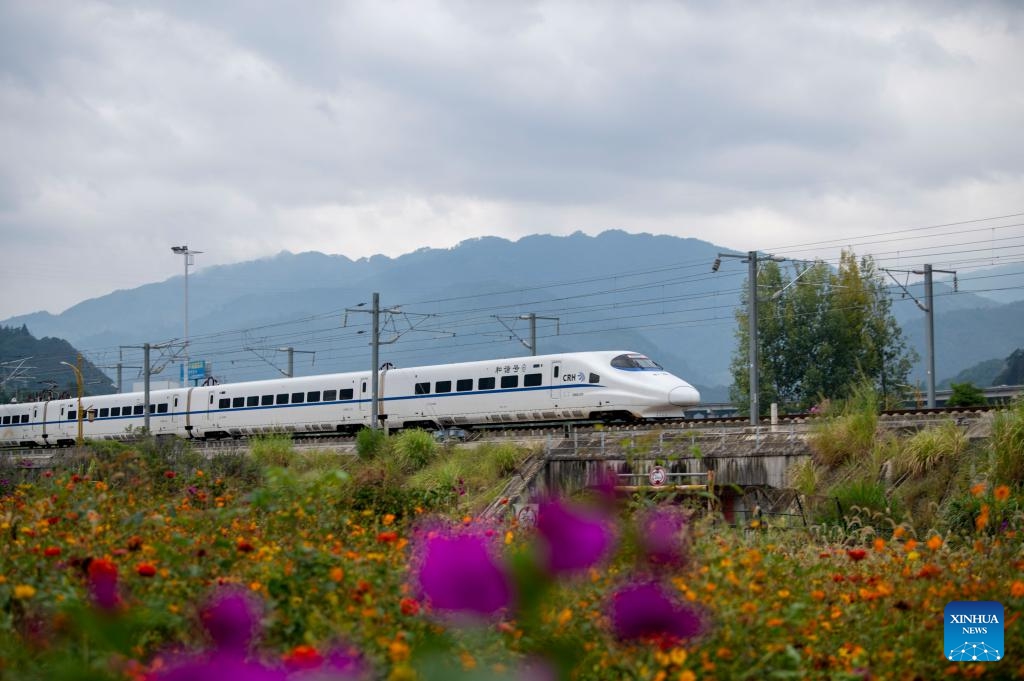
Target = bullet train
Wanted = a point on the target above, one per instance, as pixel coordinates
(601, 385)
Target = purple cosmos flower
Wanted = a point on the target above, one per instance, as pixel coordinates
(574, 538)
(662, 536)
(643, 610)
(458, 573)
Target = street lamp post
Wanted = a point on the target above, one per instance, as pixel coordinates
(78, 379)
(189, 260)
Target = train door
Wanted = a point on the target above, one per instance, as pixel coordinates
(556, 379)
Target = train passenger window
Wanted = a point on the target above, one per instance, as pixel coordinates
(72, 416)
(282, 398)
(423, 388)
(237, 402)
(152, 409)
(464, 385)
(313, 396)
(137, 409)
(267, 400)
(330, 395)
(252, 401)
(532, 380)
(6, 421)
(104, 412)
(224, 403)
(24, 418)
(161, 408)
(115, 411)
(485, 383)
(594, 378)
(443, 387)
(556, 371)
(346, 394)
(510, 381)
(297, 398)
(364, 386)
(126, 410)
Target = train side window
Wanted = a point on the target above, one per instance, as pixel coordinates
(72, 416)
(161, 408)
(423, 388)
(485, 383)
(510, 381)
(126, 410)
(594, 378)
(267, 400)
(104, 412)
(464, 385)
(532, 380)
(364, 386)
(282, 398)
(346, 394)
(443, 387)
(252, 401)
(6, 421)
(237, 402)
(137, 410)
(176, 401)
(298, 398)
(24, 418)
(330, 395)
(224, 403)
(115, 411)
(313, 396)
(556, 371)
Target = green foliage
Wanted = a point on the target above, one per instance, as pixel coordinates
(371, 443)
(273, 450)
(849, 435)
(826, 332)
(966, 395)
(503, 459)
(860, 500)
(928, 448)
(1007, 444)
(414, 449)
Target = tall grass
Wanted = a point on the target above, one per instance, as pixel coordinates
(1007, 443)
(414, 449)
(850, 433)
(275, 450)
(371, 443)
(929, 448)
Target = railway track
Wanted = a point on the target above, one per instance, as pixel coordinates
(534, 432)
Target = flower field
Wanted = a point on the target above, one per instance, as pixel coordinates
(145, 563)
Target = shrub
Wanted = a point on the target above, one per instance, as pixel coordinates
(966, 395)
(851, 433)
(859, 499)
(414, 449)
(928, 448)
(273, 450)
(503, 459)
(1007, 464)
(370, 443)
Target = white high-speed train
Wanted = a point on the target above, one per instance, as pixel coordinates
(606, 385)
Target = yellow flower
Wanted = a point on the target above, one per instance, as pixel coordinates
(24, 591)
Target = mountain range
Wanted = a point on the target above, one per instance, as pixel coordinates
(650, 293)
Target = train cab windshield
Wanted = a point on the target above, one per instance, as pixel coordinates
(635, 362)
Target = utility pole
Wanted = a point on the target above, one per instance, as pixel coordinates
(376, 418)
(532, 317)
(290, 371)
(928, 307)
(751, 259)
(148, 370)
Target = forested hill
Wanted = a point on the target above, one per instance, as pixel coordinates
(30, 365)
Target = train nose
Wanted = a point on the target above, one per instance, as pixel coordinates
(684, 396)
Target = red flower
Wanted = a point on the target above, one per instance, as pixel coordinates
(410, 606)
(169, 474)
(145, 570)
(244, 546)
(303, 657)
(103, 583)
(387, 537)
(51, 551)
(856, 554)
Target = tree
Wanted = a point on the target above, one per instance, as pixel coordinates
(966, 395)
(819, 333)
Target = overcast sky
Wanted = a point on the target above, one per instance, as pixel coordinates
(246, 128)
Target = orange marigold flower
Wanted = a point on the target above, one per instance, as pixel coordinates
(145, 570)
(1017, 589)
(978, 489)
(879, 544)
(982, 520)
(856, 554)
(929, 571)
(336, 574)
(388, 518)
(1002, 493)
(935, 542)
(910, 545)
(899, 532)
